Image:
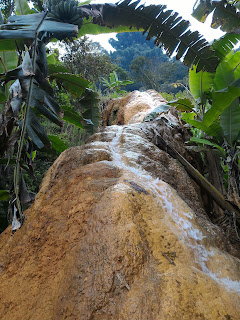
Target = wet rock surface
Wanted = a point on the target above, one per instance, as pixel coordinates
(118, 232)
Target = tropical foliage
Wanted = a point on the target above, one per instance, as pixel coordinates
(88, 59)
(114, 84)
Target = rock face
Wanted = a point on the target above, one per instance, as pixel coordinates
(118, 232)
(133, 108)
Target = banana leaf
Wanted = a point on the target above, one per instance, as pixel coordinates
(24, 27)
(214, 130)
(22, 7)
(8, 60)
(222, 99)
(182, 104)
(209, 143)
(200, 82)
(227, 88)
(73, 83)
(90, 28)
(57, 143)
(167, 27)
(225, 15)
(36, 132)
(72, 116)
(91, 115)
(224, 45)
(230, 122)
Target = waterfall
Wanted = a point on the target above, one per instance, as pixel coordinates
(182, 219)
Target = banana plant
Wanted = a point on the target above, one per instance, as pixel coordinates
(30, 93)
(217, 114)
(114, 84)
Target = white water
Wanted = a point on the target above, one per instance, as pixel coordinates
(193, 237)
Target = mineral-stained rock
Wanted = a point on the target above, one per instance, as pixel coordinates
(118, 232)
(132, 108)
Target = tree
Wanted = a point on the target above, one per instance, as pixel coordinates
(160, 76)
(87, 59)
(131, 45)
(148, 66)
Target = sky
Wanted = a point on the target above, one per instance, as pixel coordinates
(183, 7)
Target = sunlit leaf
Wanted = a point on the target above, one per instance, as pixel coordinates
(209, 143)
(200, 82)
(57, 143)
(182, 104)
(22, 7)
(221, 100)
(4, 195)
(72, 116)
(8, 60)
(230, 122)
(73, 83)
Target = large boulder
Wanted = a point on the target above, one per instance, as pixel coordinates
(118, 232)
(132, 108)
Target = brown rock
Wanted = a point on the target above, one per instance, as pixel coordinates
(132, 108)
(118, 232)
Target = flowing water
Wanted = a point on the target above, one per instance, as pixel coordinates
(183, 219)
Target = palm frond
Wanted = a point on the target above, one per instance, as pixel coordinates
(166, 26)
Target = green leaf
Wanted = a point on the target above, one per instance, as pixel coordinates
(52, 60)
(209, 143)
(45, 105)
(73, 117)
(7, 44)
(84, 2)
(124, 82)
(230, 122)
(57, 143)
(214, 130)
(8, 59)
(200, 82)
(226, 17)
(36, 132)
(55, 67)
(73, 83)
(4, 195)
(202, 11)
(90, 28)
(22, 7)
(224, 76)
(156, 112)
(221, 100)
(224, 45)
(182, 104)
(90, 103)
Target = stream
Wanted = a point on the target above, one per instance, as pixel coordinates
(182, 219)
